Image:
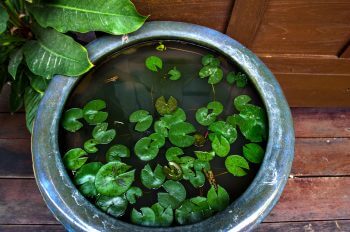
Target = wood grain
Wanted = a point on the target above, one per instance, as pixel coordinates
(308, 226)
(346, 52)
(16, 159)
(21, 203)
(32, 228)
(306, 199)
(291, 64)
(304, 27)
(303, 199)
(213, 14)
(321, 157)
(13, 126)
(251, 12)
(313, 90)
(321, 122)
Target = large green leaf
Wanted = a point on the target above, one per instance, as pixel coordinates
(113, 16)
(152, 179)
(176, 193)
(218, 199)
(4, 17)
(15, 60)
(55, 53)
(31, 103)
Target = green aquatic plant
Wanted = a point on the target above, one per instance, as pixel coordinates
(174, 152)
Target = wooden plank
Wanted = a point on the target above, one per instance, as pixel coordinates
(321, 122)
(306, 199)
(292, 64)
(245, 20)
(32, 228)
(13, 126)
(346, 52)
(311, 226)
(303, 199)
(16, 159)
(213, 14)
(309, 90)
(303, 27)
(321, 157)
(21, 203)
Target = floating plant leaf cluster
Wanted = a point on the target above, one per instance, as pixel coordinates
(168, 133)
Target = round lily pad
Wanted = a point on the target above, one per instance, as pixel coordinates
(210, 60)
(166, 107)
(174, 196)
(179, 134)
(70, 119)
(101, 135)
(205, 155)
(239, 78)
(92, 112)
(132, 194)
(143, 120)
(218, 199)
(224, 129)
(174, 74)
(115, 206)
(236, 165)
(74, 158)
(154, 63)
(116, 152)
(253, 152)
(161, 128)
(221, 146)
(241, 101)
(146, 217)
(114, 179)
(90, 146)
(145, 150)
(193, 210)
(176, 117)
(214, 73)
(198, 179)
(152, 179)
(85, 178)
(173, 153)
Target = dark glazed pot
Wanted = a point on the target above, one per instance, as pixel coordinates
(78, 214)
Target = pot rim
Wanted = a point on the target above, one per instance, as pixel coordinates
(78, 214)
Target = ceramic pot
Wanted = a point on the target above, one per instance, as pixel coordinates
(78, 214)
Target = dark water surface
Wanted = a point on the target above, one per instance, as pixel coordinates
(127, 85)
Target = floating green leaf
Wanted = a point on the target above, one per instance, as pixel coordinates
(174, 74)
(114, 179)
(207, 115)
(253, 152)
(214, 73)
(85, 178)
(200, 165)
(205, 155)
(15, 60)
(179, 134)
(166, 107)
(145, 149)
(239, 78)
(116, 152)
(198, 180)
(74, 158)
(132, 194)
(143, 120)
(176, 194)
(218, 199)
(251, 119)
(221, 146)
(161, 128)
(173, 171)
(4, 17)
(48, 55)
(210, 60)
(146, 217)
(115, 206)
(92, 112)
(178, 116)
(173, 153)
(70, 119)
(114, 16)
(154, 63)
(157, 140)
(101, 135)
(221, 128)
(236, 165)
(193, 210)
(152, 179)
(90, 146)
(157, 215)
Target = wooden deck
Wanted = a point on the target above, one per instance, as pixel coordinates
(317, 196)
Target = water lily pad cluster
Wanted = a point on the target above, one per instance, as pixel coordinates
(168, 134)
